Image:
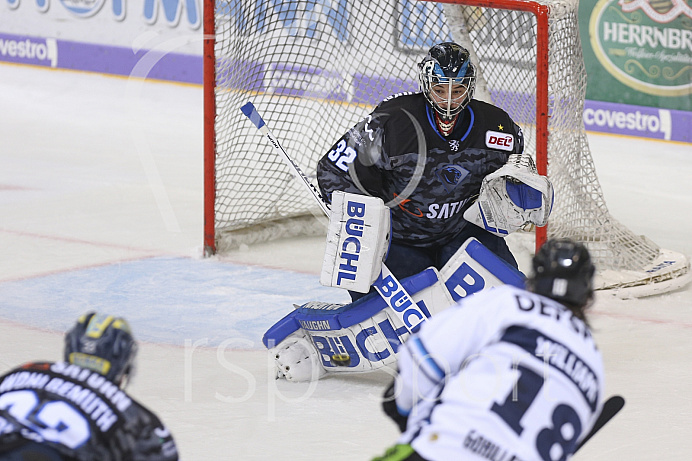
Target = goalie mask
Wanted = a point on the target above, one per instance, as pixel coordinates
(447, 79)
(563, 271)
(102, 343)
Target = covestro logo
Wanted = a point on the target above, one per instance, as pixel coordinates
(30, 49)
(646, 122)
(646, 48)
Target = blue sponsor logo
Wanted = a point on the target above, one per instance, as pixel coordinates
(464, 282)
(171, 10)
(313, 19)
(328, 346)
(396, 297)
(85, 9)
(350, 248)
(640, 121)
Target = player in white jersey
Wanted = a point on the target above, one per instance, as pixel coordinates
(506, 374)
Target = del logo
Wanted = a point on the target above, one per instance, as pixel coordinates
(646, 45)
(497, 140)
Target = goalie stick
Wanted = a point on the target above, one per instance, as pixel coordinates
(251, 112)
(611, 407)
(396, 287)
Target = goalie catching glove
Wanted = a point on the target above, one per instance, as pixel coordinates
(512, 197)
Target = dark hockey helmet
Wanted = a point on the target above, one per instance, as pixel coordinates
(102, 343)
(563, 271)
(447, 64)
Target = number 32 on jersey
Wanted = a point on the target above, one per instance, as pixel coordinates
(342, 155)
(55, 421)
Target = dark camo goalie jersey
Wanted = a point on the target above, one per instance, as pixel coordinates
(391, 154)
(80, 414)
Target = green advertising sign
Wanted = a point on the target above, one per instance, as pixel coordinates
(638, 52)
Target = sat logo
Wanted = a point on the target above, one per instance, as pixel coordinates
(497, 140)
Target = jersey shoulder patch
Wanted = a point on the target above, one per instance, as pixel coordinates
(499, 140)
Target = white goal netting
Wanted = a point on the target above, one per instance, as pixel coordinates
(314, 68)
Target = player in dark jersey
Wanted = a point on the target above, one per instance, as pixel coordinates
(77, 409)
(425, 155)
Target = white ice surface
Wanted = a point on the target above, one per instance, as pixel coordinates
(101, 208)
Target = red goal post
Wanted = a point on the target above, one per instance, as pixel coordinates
(209, 78)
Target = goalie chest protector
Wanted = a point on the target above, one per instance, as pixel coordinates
(450, 169)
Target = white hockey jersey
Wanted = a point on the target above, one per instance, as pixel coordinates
(504, 375)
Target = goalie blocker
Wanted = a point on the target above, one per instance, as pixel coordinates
(319, 338)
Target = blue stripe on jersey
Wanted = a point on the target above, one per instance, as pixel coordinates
(473, 118)
(559, 357)
(426, 363)
(431, 120)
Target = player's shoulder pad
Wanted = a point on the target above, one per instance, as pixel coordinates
(395, 104)
(398, 107)
(396, 97)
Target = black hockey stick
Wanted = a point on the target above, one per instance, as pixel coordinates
(611, 407)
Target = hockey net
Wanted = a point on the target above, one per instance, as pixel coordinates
(315, 68)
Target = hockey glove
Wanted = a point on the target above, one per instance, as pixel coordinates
(391, 410)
